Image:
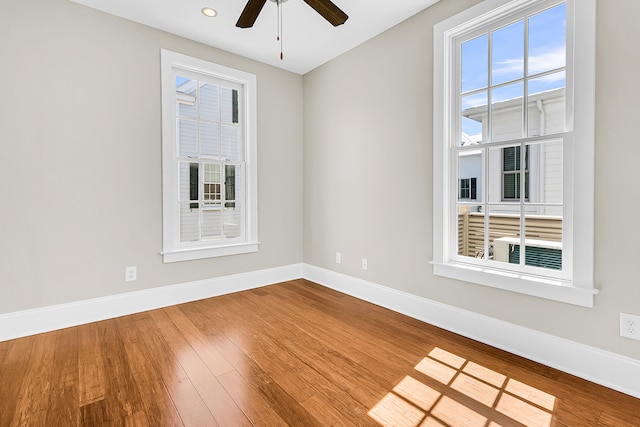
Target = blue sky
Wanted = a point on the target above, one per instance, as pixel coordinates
(180, 80)
(547, 40)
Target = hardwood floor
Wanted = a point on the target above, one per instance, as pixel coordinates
(294, 354)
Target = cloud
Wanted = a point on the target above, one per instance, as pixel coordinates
(550, 59)
(477, 100)
(509, 67)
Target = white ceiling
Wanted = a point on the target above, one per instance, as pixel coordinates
(308, 39)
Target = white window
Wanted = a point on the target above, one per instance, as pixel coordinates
(468, 188)
(514, 89)
(208, 159)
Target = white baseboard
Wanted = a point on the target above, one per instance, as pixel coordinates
(29, 322)
(602, 367)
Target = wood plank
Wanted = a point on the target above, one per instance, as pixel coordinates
(221, 405)
(121, 396)
(33, 396)
(189, 404)
(5, 346)
(215, 361)
(90, 365)
(63, 393)
(158, 407)
(13, 376)
(287, 406)
(250, 400)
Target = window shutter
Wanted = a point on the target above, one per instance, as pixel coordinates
(474, 193)
(193, 184)
(234, 101)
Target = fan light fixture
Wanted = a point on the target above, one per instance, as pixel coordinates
(210, 12)
(326, 8)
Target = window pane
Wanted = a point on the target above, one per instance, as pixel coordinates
(186, 135)
(495, 173)
(511, 173)
(230, 186)
(470, 175)
(543, 225)
(545, 172)
(547, 40)
(211, 185)
(511, 159)
(475, 59)
(229, 105)
(511, 186)
(209, 102)
(186, 97)
(230, 142)
(547, 104)
(465, 189)
(507, 53)
(504, 232)
(505, 175)
(212, 173)
(507, 112)
(470, 231)
(188, 175)
(474, 117)
(211, 194)
(211, 224)
(188, 223)
(209, 140)
(232, 219)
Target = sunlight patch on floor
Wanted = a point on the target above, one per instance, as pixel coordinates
(392, 410)
(491, 397)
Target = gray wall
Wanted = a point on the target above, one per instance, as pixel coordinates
(368, 176)
(80, 170)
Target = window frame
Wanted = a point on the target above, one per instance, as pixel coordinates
(173, 250)
(472, 188)
(576, 284)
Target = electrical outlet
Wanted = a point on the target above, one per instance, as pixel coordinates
(338, 258)
(365, 264)
(130, 274)
(630, 326)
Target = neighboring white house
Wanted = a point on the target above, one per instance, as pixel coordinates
(543, 161)
(208, 180)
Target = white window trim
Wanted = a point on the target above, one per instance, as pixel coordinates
(577, 287)
(172, 250)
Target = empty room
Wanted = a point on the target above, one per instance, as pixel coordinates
(319, 213)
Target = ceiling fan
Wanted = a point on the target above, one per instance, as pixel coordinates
(325, 8)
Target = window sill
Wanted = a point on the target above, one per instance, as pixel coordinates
(552, 289)
(208, 252)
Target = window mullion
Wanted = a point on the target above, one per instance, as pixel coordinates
(219, 157)
(487, 139)
(485, 197)
(523, 146)
(525, 95)
(200, 165)
(222, 197)
(523, 225)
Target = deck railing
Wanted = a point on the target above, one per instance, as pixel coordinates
(471, 229)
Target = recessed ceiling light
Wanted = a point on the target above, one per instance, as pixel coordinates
(207, 11)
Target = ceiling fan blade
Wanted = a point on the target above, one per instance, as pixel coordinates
(329, 11)
(250, 13)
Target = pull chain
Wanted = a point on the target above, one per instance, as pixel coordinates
(279, 36)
